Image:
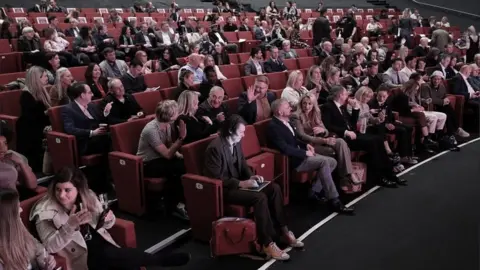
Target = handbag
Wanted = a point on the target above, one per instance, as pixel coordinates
(232, 235)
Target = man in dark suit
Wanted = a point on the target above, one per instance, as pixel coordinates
(374, 79)
(339, 121)
(275, 63)
(213, 107)
(461, 86)
(147, 40)
(321, 28)
(244, 26)
(73, 31)
(224, 160)
(354, 78)
(282, 136)
(254, 65)
(82, 119)
(254, 104)
(216, 36)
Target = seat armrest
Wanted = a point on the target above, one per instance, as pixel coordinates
(127, 174)
(63, 150)
(459, 107)
(123, 232)
(204, 201)
(281, 168)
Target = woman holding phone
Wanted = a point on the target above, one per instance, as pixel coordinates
(71, 221)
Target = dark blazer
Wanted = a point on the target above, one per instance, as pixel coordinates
(133, 85)
(140, 39)
(271, 66)
(337, 122)
(120, 112)
(196, 128)
(281, 138)
(224, 57)
(77, 124)
(204, 109)
(320, 30)
(219, 163)
(96, 92)
(460, 87)
(400, 104)
(214, 38)
(25, 46)
(70, 32)
(244, 28)
(389, 116)
(250, 68)
(249, 110)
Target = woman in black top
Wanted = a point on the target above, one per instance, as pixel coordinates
(85, 47)
(5, 31)
(125, 42)
(95, 79)
(124, 106)
(185, 82)
(187, 108)
(167, 61)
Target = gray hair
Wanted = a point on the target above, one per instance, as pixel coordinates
(165, 110)
(27, 30)
(335, 92)
(276, 105)
(215, 89)
(285, 42)
(112, 82)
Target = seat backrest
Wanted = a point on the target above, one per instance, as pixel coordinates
(248, 81)
(168, 93)
(233, 87)
(306, 62)
(245, 35)
(231, 36)
(230, 71)
(243, 57)
(278, 80)
(10, 77)
(125, 136)
(261, 129)
(193, 155)
(233, 57)
(27, 206)
(148, 100)
(173, 75)
(250, 143)
(291, 64)
(302, 52)
(10, 102)
(78, 73)
(55, 115)
(232, 105)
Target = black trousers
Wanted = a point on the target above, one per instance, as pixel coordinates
(104, 256)
(172, 169)
(452, 122)
(403, 135)
(267, 209)
(379, 165)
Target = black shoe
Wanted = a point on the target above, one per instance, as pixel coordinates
(337, 206)
(175, 259)
(317, 198)
(398, 181)
(387, 183)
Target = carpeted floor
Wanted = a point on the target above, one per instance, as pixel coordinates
(431, 224)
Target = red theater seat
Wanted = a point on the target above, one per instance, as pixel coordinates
(10, 111)
(148, 101)
(230, 71)
(233, 87)
(158, 79)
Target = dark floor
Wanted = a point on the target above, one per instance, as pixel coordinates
(431, 224)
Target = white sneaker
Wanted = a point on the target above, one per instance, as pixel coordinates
(462, 133)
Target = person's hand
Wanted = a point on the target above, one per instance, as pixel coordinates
(99, 131)
(428, 100)
(133, 117)
(108, 107)
(310, 148)
(331, 141)
(175, 67)
(49, 262)
(109, 217)
(366, 81)
(251, 96)
(221, 117)
(351, 135)
(79, 218)
(309, 153)
(16, 159)
(446, 101)
(318, 130)
(420, 109)
(248, 183)
(207, 119)
(258, 178)
(107, 40)
(373, 111)
(390, 126)
(182, 129)
(381, 116)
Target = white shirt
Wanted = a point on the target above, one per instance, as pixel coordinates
(84, 110)
(288, 126)
(469, 86)
(408, 71)
(147, 40)
(220, 39)
(443, 70)
(166, 38)
(258, 67)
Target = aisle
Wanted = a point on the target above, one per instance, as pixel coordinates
(431, 224)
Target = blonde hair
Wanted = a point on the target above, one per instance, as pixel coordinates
(309, 75)
(185, 103)
(34, 86)
(293, 77)
(17, 245)
(364, 90)
(313, 118)
(166, 109)
(58, 82)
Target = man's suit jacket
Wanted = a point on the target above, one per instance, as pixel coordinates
(214, 39)
(389, 116)
(76, 123)
(259, 34)
(336, 121)
(292, 54)
(320, 30)
(250, 68)
(281, 138)
(140, 39)
(70, 32)
(219, 163)
(460, 87)
(249, 110)
(271, 66)
(244, 28)
(440, 38)
(108, 71)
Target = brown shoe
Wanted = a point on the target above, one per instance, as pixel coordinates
(275, 252)
(292, 241)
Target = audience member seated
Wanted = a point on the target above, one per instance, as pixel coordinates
(394, 77)
(194, 62)
(210, 62)
(104, 40)
(147, 41)
(231, 167)
(133, 80)
(58, 92)
(295, 89)
(287, 52)
(29, 44)
(443, 64)
(95, 79)
(73, 31)
(185, 82)
(462, 86)
(56, 44)
(295, 37)
(24, 251)
(213, 107)
(314, 79)
(71, 221)
(167, 61)
(211, 81)
(277, 34)
(255, 65)
(332, 80)
(275, 63)
(85, 47)
(82, 119)
(26, 179)
(126, 42)
(302, 158)
(435, 92)
(158, 147)
(410, 65)
(310, 129)
(187, 108)
(124, 107)
(338, 121)
(451, 69)
(326, 50)
(254, 104)
(220, 55)
(354, 80)
(381, 107)
(111, 66)
(374, 78)
(216, 36)
(34, 102)
(474, 78)
(422, 49)
(53, 24)
(51, 65)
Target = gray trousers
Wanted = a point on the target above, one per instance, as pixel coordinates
(324, 167)
(342, 155)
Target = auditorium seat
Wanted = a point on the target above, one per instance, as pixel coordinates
(156, 79)
(78, 73)
(232, 105)
(10, 63)
(305, 62)
(167, 93)
(233, 87)
(10, 77)
(148, 101)
(278, 80)
(173, 75)
(233, 57)
(291, 64)
(230, 71)
(10, 111)
(248, 81)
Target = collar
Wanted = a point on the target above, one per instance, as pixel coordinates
(80, 105)
(283, 121)
(337, 104)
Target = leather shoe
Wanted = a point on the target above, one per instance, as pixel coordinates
(316, 197)
(340, 208)
(399, 181)
(387, 183)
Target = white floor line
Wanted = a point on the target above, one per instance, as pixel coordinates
(167, 241)
(370, 191)
(445, 8)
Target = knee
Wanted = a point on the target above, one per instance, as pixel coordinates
(442, 116)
